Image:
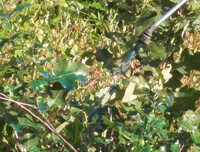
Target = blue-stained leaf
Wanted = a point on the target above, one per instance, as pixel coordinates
(3, 41)
(162, 108)
(41, 106)
(185, 100)
(68, 72)
(38, 85)
(127, 61)
(46, 60)
(164, 133)
(26, 122)
(101, 140)
(20, 7)
(44, 72)
(50, 48)
(8, 40)
(17, 127)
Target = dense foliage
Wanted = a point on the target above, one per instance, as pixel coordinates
(60, 67)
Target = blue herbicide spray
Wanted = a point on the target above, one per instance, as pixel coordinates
(145, 37)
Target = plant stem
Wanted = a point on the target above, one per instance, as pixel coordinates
(48, 125)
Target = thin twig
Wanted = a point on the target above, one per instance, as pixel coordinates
(47, 125)
(19, 146)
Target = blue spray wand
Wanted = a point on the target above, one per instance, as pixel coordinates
(145, 37)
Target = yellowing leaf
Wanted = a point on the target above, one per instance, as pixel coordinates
(128, 96)
(166, 73)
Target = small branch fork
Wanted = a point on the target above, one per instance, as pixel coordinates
(45, 122)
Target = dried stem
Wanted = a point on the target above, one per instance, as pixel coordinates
(47, 124)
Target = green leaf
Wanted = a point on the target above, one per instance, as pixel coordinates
(77, 5)
(190, 121)
(47, 59)
(17, 127)
(39, 85)
(155, 71)
(55, 20)
(175, 1)
(184, 100)
(101, 140)
(156, 52)
(58, 98)
(29, 140)
(24, 122)
(62, 126)
(196, 23)
(114, 125)
(141, 82)
(20, 7)
(175, 147)
(145, 21)
(68, 72)
(162, 108)
(40, 103)
(6, 70)
(196, 136)
(73, 111)
(174, 82)
(3, 41)
(97, 5)
(27, 122)
(43, 71)
(35, 149)
(8, 26)
(187, 63)
(164, 133)
(148, 149)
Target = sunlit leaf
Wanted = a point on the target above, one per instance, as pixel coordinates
(175, 147)
(190, 121)
(155, 51)
(97, 5)
(20, 7)
(62, 126)
(129, 96)
(68, 72)
(196, 136)
(58, 98)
